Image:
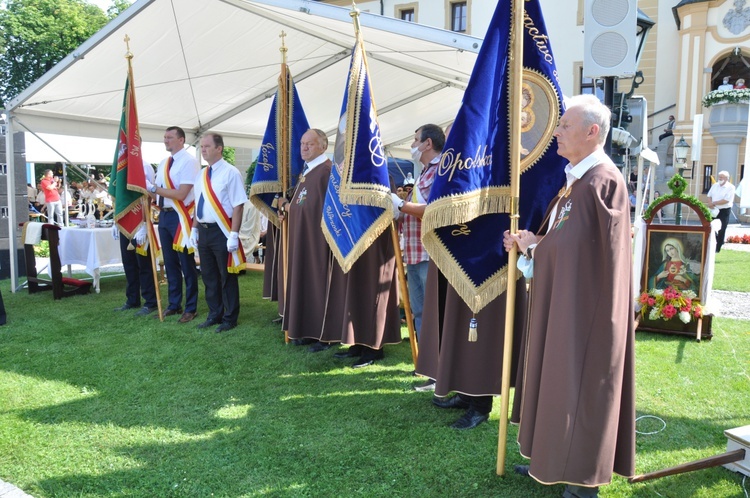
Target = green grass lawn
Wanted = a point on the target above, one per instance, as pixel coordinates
(98, 403)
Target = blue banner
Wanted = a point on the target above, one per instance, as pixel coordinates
(358, 203)
(470, 200)
(292, 124)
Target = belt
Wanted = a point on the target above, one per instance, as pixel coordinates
(207, 225)
(167, 210)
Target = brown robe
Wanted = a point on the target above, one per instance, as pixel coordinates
(445, 353)
(577, 422)
(272, 272)
(372, 315)
(313, 309)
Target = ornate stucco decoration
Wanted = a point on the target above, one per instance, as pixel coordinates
(738, 19)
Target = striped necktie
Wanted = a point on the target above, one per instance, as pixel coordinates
(169, 166)
(203, 194)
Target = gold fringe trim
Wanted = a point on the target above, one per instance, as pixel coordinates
(370, 236)
(265, 188)
(457, 209)
(475, 297)
(367, 198)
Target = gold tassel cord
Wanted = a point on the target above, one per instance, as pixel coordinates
(473, 330)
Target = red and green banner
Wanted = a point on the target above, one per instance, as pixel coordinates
(128, 179)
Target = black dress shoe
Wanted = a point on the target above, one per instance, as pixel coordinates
(573, 491)
(125, 307)
(351, 352)
(170, 312)
(224, 326)
(470, 419)
(452, 402)
(145, 311)
(369, 356)
(208, 323)
(319, 346)
(522, 470)
(303, 342)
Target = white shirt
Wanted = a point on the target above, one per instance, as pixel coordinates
(227, 184)
(721, 193)
(183, 171)
(573, 173)
(315, 162)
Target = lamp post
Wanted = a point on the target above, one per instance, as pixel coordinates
(681, 149)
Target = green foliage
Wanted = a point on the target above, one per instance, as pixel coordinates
(678, 185)
(117, 7)
(41, 250)
(250, 174)
(37, 34)
(100, 403)
(228, 154)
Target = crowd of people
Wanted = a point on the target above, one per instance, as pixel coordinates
(50, 198)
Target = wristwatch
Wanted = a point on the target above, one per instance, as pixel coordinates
(152, 189)
(529, 255)
(401, 204)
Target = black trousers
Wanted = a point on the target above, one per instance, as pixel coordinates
(482, 404)
(724, 218)
(3, 316)
(222, 287)
(139, 276)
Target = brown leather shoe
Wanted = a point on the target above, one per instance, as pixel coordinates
(187, 316)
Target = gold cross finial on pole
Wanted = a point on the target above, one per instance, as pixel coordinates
(283, 48)
(354, 13)
(128, 54)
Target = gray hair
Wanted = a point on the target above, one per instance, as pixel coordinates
(724, 173)
(593, 111)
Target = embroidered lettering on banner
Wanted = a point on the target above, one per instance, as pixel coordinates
(462, 229)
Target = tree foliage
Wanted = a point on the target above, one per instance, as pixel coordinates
(36, 34)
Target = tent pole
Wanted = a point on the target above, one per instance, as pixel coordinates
(11, 193)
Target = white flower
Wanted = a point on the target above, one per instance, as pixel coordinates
(689, 294)
(684, 316)
(653, 314)
(657, 292)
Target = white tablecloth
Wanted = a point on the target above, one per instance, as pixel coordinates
(92, 248)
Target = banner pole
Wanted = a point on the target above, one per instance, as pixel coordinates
(515, 81)
(285, 163)
(152, 250)
(405, 294)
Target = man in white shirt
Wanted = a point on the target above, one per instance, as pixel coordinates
(220, 198)
(720, 200)
(173, 190)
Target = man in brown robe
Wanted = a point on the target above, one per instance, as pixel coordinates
(312, 315)
(371, 318)
(473, 370)
(577, 421)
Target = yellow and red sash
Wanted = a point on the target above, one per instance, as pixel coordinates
(236, 259)
(185, 213)
(142, 249)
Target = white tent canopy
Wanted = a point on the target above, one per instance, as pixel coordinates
(213, 65)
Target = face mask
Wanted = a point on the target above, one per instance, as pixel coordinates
(416, 154)
(722, 182)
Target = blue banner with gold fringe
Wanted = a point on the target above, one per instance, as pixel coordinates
(358, 205)
(286, 125)
(470, 201)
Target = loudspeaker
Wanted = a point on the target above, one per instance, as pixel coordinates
(609, 38)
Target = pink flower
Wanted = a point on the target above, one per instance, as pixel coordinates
(669, 311)
(651, 301)
(644, 298)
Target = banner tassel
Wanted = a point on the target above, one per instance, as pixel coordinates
(473, 330)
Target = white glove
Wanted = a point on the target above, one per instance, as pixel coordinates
(194, 237)
(149, 185)
(233, 242)
(140, 235)
(115, 232)
(397, 201)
